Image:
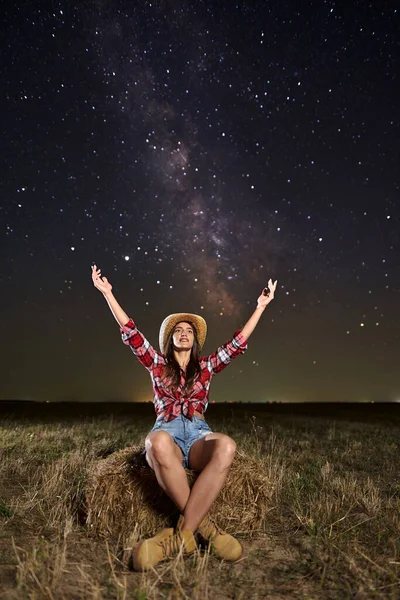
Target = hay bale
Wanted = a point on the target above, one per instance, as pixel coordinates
(123, 495)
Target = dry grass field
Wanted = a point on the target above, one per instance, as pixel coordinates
(315, 503)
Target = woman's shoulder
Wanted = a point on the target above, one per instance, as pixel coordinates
(203, 361)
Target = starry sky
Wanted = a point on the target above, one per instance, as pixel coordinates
(192, 151)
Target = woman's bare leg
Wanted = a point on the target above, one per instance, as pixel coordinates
(165, 457)
(212, 455)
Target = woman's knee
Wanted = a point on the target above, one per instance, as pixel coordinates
(226, 450)
(160, 446)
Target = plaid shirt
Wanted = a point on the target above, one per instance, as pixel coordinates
(176, 402)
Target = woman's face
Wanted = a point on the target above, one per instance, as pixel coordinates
(183, 336)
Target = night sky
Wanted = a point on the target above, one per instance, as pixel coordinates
(192, 151)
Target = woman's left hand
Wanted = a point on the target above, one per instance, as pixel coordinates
(267, 294)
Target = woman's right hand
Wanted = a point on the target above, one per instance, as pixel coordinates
(101, 283)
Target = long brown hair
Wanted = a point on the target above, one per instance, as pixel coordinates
(172, 368)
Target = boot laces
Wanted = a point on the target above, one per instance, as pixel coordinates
(172, 544)
(211, 529)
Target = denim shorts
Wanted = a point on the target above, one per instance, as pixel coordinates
(184, 432)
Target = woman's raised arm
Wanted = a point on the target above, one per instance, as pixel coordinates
(131, 336)
(105, 287)
(264, 299)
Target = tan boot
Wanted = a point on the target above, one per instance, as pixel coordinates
(224, 545)
(161, 535)
(150, 552)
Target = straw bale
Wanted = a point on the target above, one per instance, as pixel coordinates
(123, 495)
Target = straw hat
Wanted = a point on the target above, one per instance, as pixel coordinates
(169, 323)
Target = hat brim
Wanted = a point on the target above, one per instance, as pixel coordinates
(169, 323)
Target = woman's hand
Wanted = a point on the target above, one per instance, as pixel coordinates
(101, 283)
(267, 296)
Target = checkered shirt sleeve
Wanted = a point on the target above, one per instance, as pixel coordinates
(140, 346)
(218, 360)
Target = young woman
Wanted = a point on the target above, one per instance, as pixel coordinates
(181, 438)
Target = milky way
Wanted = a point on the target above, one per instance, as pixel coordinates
(201, 221)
